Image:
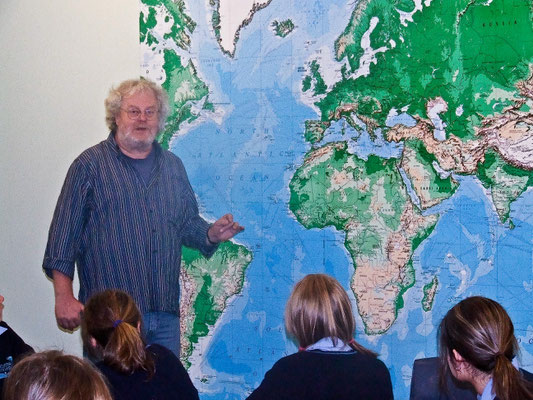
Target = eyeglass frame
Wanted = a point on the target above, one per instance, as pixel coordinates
(136, 110)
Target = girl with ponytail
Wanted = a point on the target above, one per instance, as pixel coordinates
(330, 363)
(477, 345)
(111, 332)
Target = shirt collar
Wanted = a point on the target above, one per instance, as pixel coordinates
(487, 392)
(328, 344)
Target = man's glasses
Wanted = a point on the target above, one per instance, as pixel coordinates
(135, 113)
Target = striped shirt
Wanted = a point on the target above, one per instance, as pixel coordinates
(123, 233)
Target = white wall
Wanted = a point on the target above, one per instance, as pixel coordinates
(58, 59)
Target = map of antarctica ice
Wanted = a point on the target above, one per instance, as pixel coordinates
(388, 143)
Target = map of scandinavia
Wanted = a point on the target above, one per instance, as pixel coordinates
(386, 143)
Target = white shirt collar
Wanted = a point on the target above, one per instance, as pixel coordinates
(487, 392)
(327, 344)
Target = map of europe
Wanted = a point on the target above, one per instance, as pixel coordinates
(388, 143)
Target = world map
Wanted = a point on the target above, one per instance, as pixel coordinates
(388, 143)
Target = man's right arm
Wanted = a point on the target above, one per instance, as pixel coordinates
(67, 309)
(62, 249)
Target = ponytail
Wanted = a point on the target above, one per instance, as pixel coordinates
(113, 320)
(482, 332)
(507, 381)
(125, 350)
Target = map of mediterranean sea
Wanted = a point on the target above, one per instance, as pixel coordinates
(388, 143)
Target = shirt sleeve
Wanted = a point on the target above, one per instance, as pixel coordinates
(70, 217)
(194, 234)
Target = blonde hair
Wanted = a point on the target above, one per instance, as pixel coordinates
(128, 88)
(318, 308)
(480, 330)
(53, 375)
(113, 319)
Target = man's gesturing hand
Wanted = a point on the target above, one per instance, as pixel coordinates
(223, 229)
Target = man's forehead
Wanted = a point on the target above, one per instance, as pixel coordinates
(141, 96)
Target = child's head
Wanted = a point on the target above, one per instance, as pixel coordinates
(480, 330)
(317, 308)
(476, 339)
(111, 331)
(53, 375)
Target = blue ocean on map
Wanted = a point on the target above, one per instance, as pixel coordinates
(244, 166)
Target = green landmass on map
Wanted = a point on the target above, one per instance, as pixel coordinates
(448, 51)
(206, 285)
(172, 11)
(283, 28)
(421, 235)
(187, 93)
(367, 200)
(184, 89)
(430, 290)
(306, 83)
(314, 131)
(314, 78)
(337, 189)
(506, 182)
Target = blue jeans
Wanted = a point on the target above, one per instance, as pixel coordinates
(162, 328)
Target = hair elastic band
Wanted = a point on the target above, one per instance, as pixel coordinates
(502, 354)
(117, 323)
(301, 348)
(351, 341)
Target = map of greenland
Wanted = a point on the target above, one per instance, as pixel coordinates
(230, 17)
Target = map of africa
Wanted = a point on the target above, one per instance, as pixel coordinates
(388, 143)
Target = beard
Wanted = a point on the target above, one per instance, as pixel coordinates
(136, 140)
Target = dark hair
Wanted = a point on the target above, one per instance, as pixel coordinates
(480, 330)
(319, 307)
(113, 320)
(53, 375)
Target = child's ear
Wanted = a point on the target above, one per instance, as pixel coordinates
(457, 357)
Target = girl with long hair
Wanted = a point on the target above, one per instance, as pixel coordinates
(331, 364)
(111, 331)
(477, 345)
